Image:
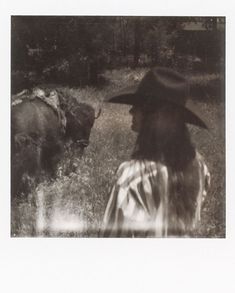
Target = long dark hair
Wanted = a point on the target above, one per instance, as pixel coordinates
(171, 145)
(174, 149)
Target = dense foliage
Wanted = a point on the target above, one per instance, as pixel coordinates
(74, 50)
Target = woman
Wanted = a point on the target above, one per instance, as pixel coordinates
(159, 192)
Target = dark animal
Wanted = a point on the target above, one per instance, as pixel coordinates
(38, 135)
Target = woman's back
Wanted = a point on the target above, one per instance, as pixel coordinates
(149, 199)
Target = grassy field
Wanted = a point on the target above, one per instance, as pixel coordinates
(73, 204)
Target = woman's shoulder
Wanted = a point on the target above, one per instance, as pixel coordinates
(136, 165)
(128, 168)
(134, 169)
(199, 156)
(202, 163)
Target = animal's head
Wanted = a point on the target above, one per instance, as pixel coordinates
(80, 119)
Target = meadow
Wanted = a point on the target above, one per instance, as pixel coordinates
(73, 204)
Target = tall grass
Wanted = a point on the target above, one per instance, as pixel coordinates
(73, 204)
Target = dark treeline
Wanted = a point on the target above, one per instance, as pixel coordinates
(76, 49)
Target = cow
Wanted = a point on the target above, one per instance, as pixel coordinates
(40, 126)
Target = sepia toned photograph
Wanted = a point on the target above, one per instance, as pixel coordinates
(118, 126)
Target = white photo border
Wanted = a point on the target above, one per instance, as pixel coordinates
(111, 265)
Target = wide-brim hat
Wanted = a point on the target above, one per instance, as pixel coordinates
(161, 85)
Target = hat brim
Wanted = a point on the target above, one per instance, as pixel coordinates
(192, 115)
(126, 96)
(190, 111)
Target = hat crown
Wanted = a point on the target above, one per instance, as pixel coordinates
(163, 84)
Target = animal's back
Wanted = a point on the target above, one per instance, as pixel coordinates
(34, 118)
